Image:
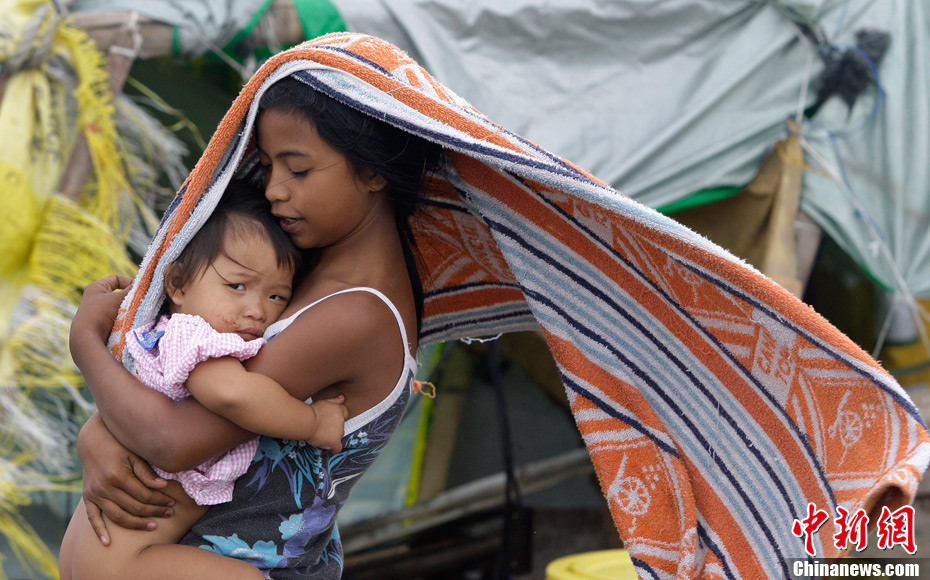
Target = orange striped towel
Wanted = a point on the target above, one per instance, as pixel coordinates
(715, 405)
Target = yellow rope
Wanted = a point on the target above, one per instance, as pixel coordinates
(52, 248)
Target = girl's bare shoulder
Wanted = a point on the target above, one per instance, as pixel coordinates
(345, 338)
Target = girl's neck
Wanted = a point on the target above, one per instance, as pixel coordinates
(370, 256)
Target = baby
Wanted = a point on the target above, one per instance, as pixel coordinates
(231, 281)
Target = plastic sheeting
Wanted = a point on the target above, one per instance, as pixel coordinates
(658, 98)
(883, 219)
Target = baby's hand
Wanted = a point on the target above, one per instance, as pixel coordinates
(331, 417)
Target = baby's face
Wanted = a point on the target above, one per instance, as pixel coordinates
(243, 291)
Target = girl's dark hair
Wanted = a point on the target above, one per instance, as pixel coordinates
(369, 144)
(243, 209)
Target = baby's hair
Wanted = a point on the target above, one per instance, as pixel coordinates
(242, 210)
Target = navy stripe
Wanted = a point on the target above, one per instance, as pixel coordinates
(645, 377)
(354, 56)
(478, 322)
(445, 139)
(379, 68)
(229, 151)
(432, 202)
(628, 419)
(728, 567)
(643, 566)
(173, 206)
(583, 328)
(470, 286)
(755, 303)
(552, 157)
(709, 336)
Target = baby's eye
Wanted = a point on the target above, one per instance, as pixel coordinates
(279, 298)
(236, 286)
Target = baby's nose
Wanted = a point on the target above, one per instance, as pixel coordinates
(253, 309)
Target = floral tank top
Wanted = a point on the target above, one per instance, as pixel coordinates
(282, 518)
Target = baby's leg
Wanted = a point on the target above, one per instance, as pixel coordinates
(146, 555)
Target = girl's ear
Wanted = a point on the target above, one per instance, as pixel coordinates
(373, 181)
(175, 294)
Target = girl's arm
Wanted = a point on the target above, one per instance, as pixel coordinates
(261, 405)
(321, 349)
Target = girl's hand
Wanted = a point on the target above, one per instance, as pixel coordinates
(331, 415)
(98, 309)
(118, 483)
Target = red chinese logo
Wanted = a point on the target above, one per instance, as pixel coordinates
(807, 527)
(897, 527)
(852, 529)
(894, 528)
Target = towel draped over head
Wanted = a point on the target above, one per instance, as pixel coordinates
(715, 405)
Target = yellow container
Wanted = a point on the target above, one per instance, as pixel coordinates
(601, 565)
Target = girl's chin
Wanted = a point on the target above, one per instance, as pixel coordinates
(302, 240)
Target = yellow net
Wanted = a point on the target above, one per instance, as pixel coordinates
(54, 88)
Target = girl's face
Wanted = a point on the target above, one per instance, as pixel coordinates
(314, 191)
(242, 291)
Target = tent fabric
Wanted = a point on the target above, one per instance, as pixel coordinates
(715, 405)
(880, 215)
(659, 99)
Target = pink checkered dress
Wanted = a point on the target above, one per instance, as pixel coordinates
(165, 355)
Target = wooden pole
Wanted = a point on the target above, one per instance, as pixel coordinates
(456, 378)
(120, 45)
(123, 36)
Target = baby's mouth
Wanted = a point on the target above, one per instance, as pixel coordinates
(250, 334)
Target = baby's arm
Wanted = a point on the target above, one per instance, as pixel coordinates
(261, 405)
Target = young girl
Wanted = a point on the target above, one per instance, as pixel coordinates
(230, 283)
(343, 187)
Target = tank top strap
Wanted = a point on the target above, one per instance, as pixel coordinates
(278, 326)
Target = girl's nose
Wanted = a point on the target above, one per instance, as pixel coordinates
(275, 190)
